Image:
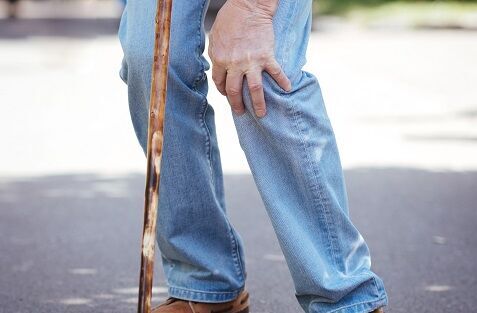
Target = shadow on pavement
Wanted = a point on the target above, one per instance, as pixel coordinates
(71, 243)
(67, 27)
(59, 27)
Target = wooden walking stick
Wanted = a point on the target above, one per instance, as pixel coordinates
(154, 150)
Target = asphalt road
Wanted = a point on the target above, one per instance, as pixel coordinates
(71, 243)
(403, 105)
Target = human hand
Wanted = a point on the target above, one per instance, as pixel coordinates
(241, 44)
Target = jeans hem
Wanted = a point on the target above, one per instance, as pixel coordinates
(203, 296)
(362, 307)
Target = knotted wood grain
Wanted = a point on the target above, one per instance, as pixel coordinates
(155, 140)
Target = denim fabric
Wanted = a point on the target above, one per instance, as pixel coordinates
(292, 154)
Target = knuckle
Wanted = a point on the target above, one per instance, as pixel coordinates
(235, 61)
(236, 106)
(218, 60)
(263, 57)
(216, 57)
(255, 87)
(273, 67)
(277, 73)
(231, 91)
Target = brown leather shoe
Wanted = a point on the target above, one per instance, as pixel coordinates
(173, 305)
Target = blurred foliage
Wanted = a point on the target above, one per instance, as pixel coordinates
(343, 7)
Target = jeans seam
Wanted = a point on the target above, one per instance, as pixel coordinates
(206, 131)
(357, 304)
(375, 285)
(236, 255)
(317, 194)
(204, 106)
(201, 74)
(206, 292)
(203, 296)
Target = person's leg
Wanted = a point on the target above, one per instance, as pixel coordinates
(294, 160)
(202, 254)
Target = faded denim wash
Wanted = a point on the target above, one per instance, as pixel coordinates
(292, 154)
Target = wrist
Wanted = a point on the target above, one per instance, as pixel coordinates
(262, 7)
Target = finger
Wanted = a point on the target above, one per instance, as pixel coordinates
(275, 70)
(219, 77)
(254, 80)
(233, 88)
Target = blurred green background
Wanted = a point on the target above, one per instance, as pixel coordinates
(425, 13)
(341, 7)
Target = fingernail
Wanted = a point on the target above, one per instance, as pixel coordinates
(238, 112)
(260, 114)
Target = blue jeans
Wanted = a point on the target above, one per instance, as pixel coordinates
(292, 154)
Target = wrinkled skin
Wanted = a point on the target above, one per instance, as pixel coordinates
(241, 44)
